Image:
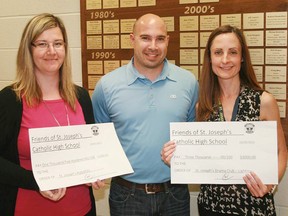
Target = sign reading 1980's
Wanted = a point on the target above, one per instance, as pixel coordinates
(106, 25)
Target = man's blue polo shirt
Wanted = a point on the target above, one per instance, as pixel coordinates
(141, 111)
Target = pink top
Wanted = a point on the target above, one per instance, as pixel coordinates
(77, 201)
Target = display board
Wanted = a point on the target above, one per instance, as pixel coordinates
(106, 25)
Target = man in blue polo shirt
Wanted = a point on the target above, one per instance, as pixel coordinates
(141, 99)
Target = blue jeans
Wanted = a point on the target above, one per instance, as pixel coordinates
(175, 201)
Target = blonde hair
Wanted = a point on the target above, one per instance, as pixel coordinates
(25, 83)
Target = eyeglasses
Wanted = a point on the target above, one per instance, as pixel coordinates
(44, 45)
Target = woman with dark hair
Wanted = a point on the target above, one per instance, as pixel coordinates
(42, 95)
(228, 91)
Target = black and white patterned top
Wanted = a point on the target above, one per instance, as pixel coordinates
(236, 199)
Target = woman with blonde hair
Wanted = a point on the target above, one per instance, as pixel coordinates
(42, 95)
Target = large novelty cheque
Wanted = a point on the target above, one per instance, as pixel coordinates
(223, 152)
(72, 155)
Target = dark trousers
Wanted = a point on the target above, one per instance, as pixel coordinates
(174, 201)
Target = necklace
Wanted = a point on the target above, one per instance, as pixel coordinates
(221, 113)
(234, 113)
(52, 114)
(235, 108)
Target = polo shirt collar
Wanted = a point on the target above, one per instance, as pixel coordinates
(133, 74)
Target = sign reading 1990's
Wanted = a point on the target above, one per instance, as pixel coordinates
(106, 25)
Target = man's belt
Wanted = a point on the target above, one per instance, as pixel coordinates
(148, 188)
